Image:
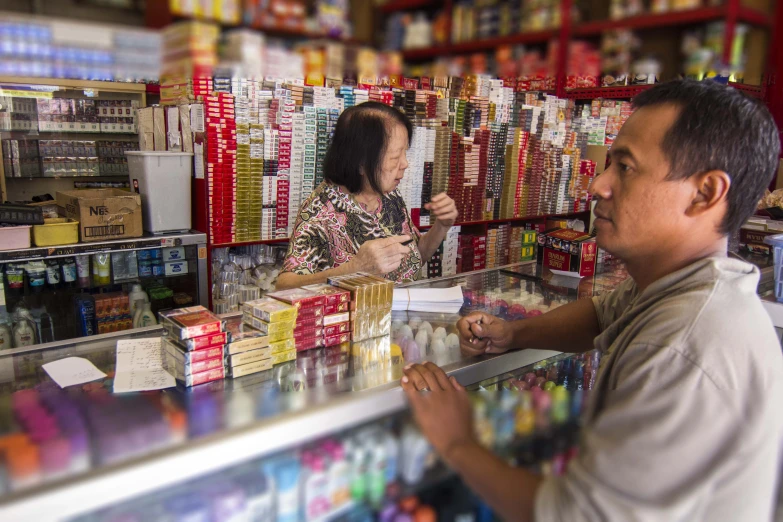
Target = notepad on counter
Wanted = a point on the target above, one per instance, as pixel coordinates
(139, 366)
(438, 300)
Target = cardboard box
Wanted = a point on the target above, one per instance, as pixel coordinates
(752, 241)
(103, 213)
(568, 251)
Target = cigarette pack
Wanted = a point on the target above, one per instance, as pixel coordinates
(313, 320)
(175, 361)
(334, 319)
(282, 357)
(567, 250)
(249, 356)
(282, 346)
(187, 323)
(308, 343)
(335, 329)
(251, 368)
(202, 342)
(250, 339)
(309, 313)
(334, 296)
(268, 328)
(209, 352)
(334, 340)
(308, 331)
(270, 310)
(200, 378)
(299, 297)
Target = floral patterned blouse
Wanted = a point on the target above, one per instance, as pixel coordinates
(331, 226)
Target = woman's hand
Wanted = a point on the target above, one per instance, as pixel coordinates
(481, 333)
(444, 209)
(381, 256)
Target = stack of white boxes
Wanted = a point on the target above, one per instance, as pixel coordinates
(360, 96)
(271, 146)
(450, 248)
(296, 194)
(284, 166)
(310, 140)
(411, 185)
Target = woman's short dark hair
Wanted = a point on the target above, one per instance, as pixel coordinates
(359, 143)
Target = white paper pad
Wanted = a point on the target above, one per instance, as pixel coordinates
(72, 370)
(139, 366)
(443, 300)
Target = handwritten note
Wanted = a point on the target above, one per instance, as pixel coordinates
(139, 366)
(72, 370)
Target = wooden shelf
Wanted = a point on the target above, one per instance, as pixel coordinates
(404, 5)
(249, 243)
(651, 21)
(511, 220)
(605, 92)
(65, 83)
(480, 45)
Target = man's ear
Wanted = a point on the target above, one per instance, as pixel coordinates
(711, 189)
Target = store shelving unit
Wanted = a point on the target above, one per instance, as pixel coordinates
(732, 13)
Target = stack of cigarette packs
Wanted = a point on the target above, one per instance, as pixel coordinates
(371, 302)
(308, 331)
(194, 345)
(276, 321)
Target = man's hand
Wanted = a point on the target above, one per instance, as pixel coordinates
(481, 333)
(381, 256)
(441, 408)
(444, 209)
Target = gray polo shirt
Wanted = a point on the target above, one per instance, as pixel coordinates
(686, 419)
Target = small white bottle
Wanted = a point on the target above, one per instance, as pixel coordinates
(146, 317)
(6, 338)
(137, 298)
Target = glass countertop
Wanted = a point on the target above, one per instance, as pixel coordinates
(104, 430)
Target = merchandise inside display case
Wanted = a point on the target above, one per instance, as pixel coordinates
(118, 443)
(61, 293)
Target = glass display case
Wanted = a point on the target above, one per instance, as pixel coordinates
(125, 446)
(56, 294)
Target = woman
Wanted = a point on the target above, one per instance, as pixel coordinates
(356, 220)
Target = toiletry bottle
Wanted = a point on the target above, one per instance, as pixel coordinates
(147, 318)
(6, 337)
(377, 472)
(83, 270)
(101, 269)
(314, 490)
(53, 274)
(137, 298)
(339, 475)
(24, 329)
(69, 272)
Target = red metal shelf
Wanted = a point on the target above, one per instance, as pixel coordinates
(248, 243)
(479, 45)
(755, 17)
(691, 16)
(511, 220)
(605, 92)
(403, 5)
(754, 91)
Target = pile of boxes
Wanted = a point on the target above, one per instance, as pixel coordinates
(497, 245)
(522, 246)
(221, 158)
(471, 253)
(193, 347)
(276, 320)
(371, 304)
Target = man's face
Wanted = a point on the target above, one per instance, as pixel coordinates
(639, 212)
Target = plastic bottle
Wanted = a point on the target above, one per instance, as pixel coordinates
(359, 458)
(137, 298)
(24, 331)
(101, 269)
(69, 272)
(85, 315)
(146, 317)
(415, 450)
(83, 271)
(339, 475)
(377, 472)
(392, 455)
(314, 487)
(286, 474)
(6, 337)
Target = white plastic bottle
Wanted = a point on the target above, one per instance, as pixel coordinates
(147, 318)
(137, 298)
(314, 487)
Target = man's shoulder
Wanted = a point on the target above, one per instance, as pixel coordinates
(722, 331)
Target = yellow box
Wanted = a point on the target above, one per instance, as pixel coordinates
(56, 231)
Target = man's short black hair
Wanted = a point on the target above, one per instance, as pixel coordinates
(719, 128)
(359, 143)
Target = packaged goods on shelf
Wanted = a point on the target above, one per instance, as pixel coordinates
(371, 305)
(187, 323)
(568, 251)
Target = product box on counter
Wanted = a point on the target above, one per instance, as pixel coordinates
(270, 310)
(300, 298)
(194, 379)
(207, 352)
(567, 251)
(103, 213)
(187, 323)
(186, 364)
(250, 368)
(203, 342)
(337, 299)
(283, 357)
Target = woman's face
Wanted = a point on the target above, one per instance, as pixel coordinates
(394, 161)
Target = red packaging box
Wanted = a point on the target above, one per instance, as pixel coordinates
(305, 332)
(186, 323)
(309, 343)
(204, 342)
(334, 340)
(333, 319)
(336, 329)
(299, 297)
(567, 250)
(334, 296)
(336, 308)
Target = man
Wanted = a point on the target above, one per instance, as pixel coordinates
(685, 420)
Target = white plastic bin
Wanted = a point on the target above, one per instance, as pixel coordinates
(163, 179)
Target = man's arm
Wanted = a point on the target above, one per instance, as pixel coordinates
(569, 328)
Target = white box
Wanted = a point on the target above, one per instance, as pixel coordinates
(174, 268)
(163, 179)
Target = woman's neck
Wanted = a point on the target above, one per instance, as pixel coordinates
(368, 199)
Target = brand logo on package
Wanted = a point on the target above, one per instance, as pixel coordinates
(557, 260)
(99, 211)
(176, 268)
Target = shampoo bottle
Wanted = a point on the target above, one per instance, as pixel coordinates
(147, 318)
